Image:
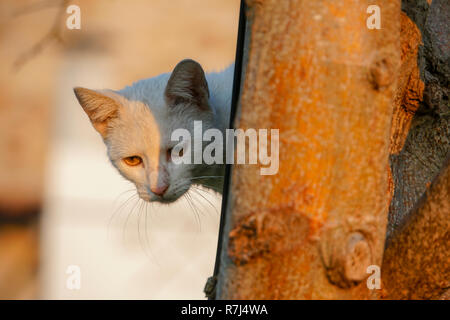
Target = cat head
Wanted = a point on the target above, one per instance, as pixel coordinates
(136, 124)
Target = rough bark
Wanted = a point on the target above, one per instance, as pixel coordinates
(315, 72)
(427, 145)
(416, 263)
(409, 92)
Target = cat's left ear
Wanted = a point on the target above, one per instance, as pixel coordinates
(187, 84)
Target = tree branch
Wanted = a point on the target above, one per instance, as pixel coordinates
(416, 262)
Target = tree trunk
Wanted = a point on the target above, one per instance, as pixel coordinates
(314, 71)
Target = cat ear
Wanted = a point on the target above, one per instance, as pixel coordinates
(100, 108)
(187, 83)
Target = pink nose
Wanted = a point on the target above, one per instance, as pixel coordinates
(159, 190)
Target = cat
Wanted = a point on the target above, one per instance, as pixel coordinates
(136, 125)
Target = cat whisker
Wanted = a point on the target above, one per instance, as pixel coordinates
(146, 224)
(119, 209)
(197, 218)
(212, 188)
(141, 211)
(197, 191)
(139, 223)
(207, 177)
(122, 193)
(194, 200)
(128, 217)
(123, 204)
(150, 254)
(194, 211)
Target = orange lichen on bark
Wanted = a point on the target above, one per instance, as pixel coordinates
(410, 87)
(254, 236)
(309, 75)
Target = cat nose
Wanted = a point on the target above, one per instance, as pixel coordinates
(159, 190)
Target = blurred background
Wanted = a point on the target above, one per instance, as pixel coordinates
(69, 226)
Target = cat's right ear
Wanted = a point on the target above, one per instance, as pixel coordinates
(100, 108)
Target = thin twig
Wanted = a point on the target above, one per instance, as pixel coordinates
(54, 34)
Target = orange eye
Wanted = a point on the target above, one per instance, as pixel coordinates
(133, 160)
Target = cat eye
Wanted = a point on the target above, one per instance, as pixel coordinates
(133, 160)
(169, 153)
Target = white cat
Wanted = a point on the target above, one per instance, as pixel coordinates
(136, 125)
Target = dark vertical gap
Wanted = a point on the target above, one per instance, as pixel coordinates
(234, 102)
